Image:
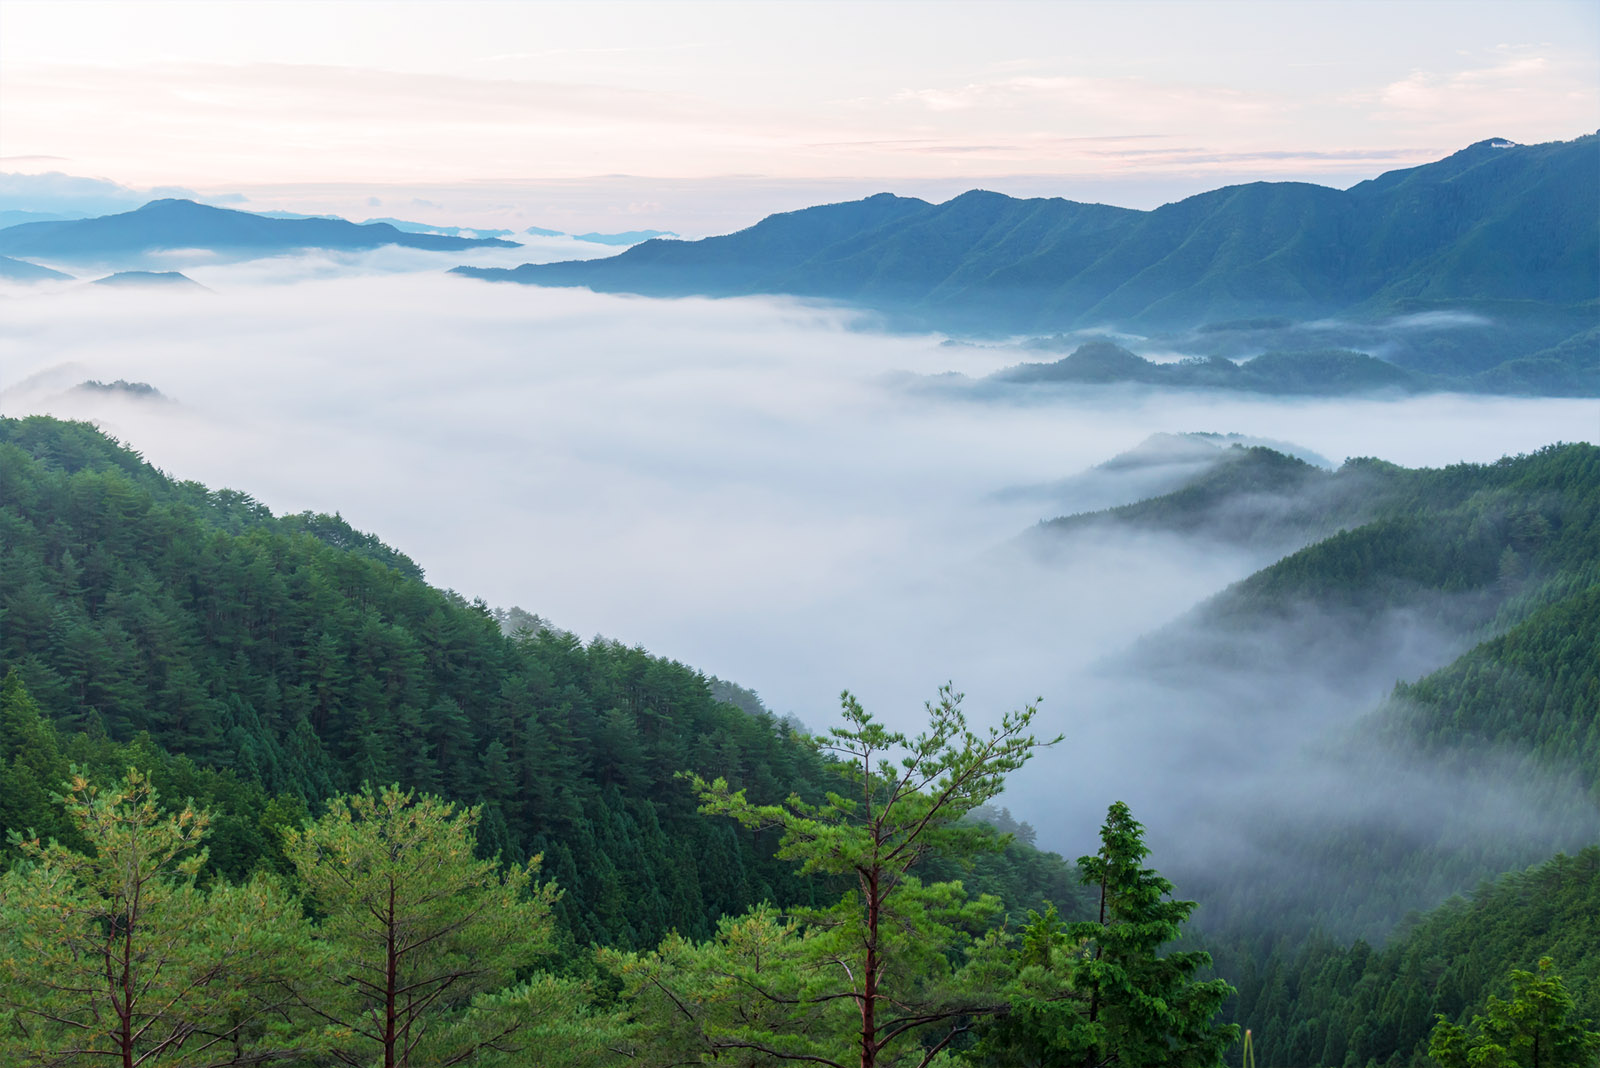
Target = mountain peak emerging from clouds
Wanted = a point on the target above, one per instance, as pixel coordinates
(1493, 228)
(183, 224)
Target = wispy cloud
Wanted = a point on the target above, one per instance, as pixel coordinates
(1108, 99)
(55, 191)
(1490, 99)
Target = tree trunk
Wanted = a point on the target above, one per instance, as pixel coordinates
(125, 1007)
(1090, 1059)
(869, 999)
(391, 972)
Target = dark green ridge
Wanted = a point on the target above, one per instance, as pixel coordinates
(1318, 1002)
(297, 657)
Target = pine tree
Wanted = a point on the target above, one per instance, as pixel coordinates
(425, 938)
(1535, 1029)
(885, 949)
(118, 956)
(30, 765)
(1144, 1009)
(1098, 993)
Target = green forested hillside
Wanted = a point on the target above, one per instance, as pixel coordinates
(1321, 1003)
(261, 665)
(1485, 765)
(1373, 532)
(1488, 536)
(302, 658)
(1253, 496)
(1533, 692)
(1496, 561)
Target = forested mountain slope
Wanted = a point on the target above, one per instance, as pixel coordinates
(1463, 550)
(1476, 587)
(304, 658)
(1373, 534)
(259, 664)
(1532, 693)
(1373, 531)
(1487, 761)
(1320, 1003)
(1495, 229)
(1486, 764)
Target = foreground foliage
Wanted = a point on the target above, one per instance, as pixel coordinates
(417, 951)
(119, 955)
(414, 928)
(1535, 1029)
(1319, 1002)
(875, 978)
(1099, 992)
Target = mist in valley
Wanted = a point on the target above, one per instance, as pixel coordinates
(744, 486)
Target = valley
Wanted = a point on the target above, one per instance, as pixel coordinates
(617, 534)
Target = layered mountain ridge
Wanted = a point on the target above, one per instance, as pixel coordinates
(1493, 222)
(183, 224)
(1496, 231)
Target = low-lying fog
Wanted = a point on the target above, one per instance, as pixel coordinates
(735, 484)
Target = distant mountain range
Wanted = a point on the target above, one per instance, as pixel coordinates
(626, 237)
(22, 271)
(429, 228)
(406, 225)
(1321, 371)
(12, 217)
(1307, 371)
(1497, 230)
(183, 224)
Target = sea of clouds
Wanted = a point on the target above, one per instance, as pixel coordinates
(743, 485)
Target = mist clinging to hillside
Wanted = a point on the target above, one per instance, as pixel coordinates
(734, 484)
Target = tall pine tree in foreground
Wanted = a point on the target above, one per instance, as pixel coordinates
(878, 978)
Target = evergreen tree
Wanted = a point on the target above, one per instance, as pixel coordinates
(751, 989)
(1098, 993)
(886, 948)
(30, 764)
(1535, 1029)
(118, 956)
(425, 939)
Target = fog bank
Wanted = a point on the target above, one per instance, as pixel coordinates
(735, 484)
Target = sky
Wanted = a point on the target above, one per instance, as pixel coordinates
(702, 117)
